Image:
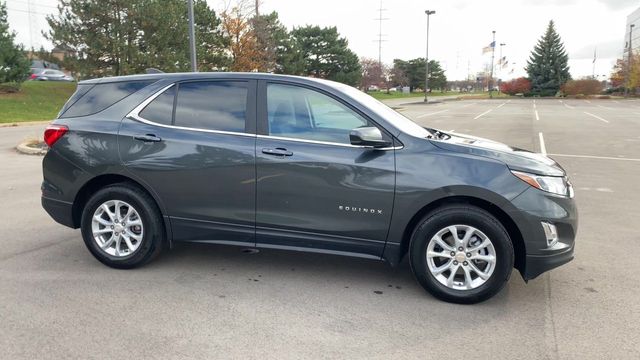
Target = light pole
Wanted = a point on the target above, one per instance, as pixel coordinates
(493, 54)
(629, 56)
(192, 37)
(426, 67)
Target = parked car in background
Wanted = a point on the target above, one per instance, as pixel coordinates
(49, 75)
(41, 64)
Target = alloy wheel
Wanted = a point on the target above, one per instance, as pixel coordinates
(461, 257)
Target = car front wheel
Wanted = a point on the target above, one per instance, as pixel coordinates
(461, 254)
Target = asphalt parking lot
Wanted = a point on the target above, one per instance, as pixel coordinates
(56, 301)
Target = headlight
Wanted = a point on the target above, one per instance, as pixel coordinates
(553, 184)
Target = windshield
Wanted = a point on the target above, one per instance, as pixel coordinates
(398, 120)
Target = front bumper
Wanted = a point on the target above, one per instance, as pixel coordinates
(535, 207)
(538, 264)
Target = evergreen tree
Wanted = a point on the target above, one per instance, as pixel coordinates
(272, 38)
(14, 66)
(412, 73)
(322, 53)
(547, 66)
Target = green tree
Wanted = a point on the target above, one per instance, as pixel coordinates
(547, 66)
(120, 37)
(272, 38)
(412, 73)
(14, 66)
(320, 52)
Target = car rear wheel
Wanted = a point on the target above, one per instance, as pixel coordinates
(122, 226)
(461, 254)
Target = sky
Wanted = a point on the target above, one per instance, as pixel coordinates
(457, 33)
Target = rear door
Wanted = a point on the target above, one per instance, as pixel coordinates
(194, 145)
(315, 189)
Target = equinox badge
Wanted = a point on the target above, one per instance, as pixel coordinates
(359, 209)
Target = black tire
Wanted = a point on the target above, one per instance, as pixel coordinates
(461, 215)
(153, 236)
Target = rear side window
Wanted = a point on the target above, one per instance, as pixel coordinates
(212, 105)
(101, 96)
(80, 91)
(160, 110)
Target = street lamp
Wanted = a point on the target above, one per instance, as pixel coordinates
(426, 70)
(626, 81)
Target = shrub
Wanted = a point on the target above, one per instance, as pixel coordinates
(516, 86)
(585, 87)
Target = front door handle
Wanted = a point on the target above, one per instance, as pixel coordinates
(147, 138)
(277, 152)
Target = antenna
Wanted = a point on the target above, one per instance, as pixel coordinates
(380, 19)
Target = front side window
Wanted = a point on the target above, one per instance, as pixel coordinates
(212, 105)
(301, 113)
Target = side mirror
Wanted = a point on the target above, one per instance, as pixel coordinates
(368, 136)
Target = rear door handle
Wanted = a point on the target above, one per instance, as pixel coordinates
(277, 152)
(147, 138)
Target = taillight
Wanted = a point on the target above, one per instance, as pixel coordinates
(33, 76)
(53, 133)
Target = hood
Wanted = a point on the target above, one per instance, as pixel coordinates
(514, 158)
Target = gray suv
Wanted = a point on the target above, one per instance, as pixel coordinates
(140, 163)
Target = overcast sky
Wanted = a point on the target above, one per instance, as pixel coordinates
(458, 31)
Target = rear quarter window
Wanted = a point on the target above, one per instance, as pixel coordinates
(90, 99)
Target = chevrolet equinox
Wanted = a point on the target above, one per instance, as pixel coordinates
(142, 162)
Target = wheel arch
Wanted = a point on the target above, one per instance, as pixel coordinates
(98, 182)
(503, 217)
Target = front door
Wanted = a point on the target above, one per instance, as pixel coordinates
(194, 145)
(314, 189)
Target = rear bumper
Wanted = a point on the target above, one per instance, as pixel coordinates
(60, 211)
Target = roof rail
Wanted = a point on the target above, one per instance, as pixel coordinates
(153, 71)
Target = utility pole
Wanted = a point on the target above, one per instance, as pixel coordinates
(629, 56)
(192, 38)
(380, 19)
(257, 6)
(426, 65)
(493, 53)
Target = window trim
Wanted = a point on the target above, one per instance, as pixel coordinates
(135, 113)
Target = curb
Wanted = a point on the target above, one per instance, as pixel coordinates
(24, 148)
(25, 123)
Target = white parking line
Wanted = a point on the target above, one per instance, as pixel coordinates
(452, 130)
(604, 107)
(537, 117)
(596, 157)
(534, 105)
(597, 117)
(433, 113)
(501, 105)
(464, 106)
(569, 106)
(483, 114)
(543, 149)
